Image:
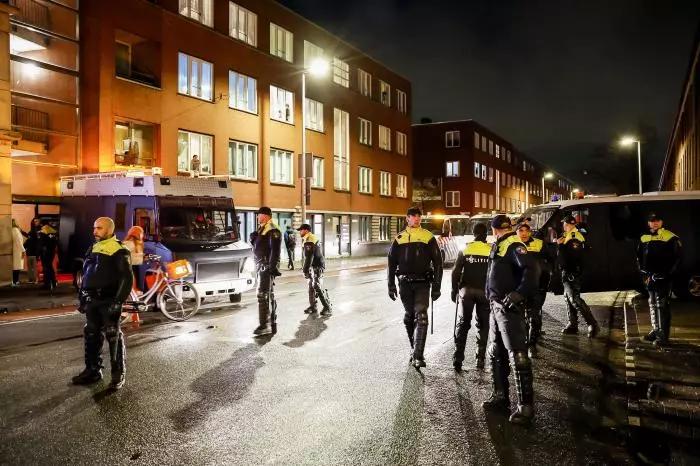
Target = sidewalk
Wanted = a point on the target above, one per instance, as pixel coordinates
(664, 383)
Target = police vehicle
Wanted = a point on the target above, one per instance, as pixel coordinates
(449, 231)
(612, 226)
(182, 218)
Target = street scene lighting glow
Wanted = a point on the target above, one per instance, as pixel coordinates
(548, 175)
(20, 45)
(627, 141)
(319, 67)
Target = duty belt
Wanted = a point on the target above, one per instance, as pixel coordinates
(415, 278)
(97, 295)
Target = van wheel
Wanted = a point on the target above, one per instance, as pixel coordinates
(235, 297)
(694, 286)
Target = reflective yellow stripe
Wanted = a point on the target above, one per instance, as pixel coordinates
(505, 244)
(661, 235)
(535, 245)
(574, 234)
(477, 248)
(108, 246)
(270, 225)
(310, 238)
(414, 235)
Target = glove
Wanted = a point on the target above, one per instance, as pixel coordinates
(392, 293)
(435, 294)
(513, 300)
(82, 303)
(252, 237)
(453, 296)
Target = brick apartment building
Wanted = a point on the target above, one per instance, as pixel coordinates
(462, 167)
(681, 170)
(152, 83)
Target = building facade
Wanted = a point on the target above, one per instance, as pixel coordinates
(681, 170)
(462, 167)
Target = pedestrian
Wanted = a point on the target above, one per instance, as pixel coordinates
(533, 308)
(195, 165)
(468, 285)
(17, 253)
(106, 284)
(31, 245)
(134, 243)
(511, 280)
(658, 256)
(267, 242)
(414, 257)
(290, 242)
(314, 265)
(572, 247)
(47, 251)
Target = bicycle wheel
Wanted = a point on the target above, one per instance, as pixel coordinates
(179, 300)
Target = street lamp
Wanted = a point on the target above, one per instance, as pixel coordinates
(545, 176)
(318, 67)
(574, 192)
(628, 141)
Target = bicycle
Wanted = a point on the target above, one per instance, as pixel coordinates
(175, 297)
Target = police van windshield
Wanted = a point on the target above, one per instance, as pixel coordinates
(433, 225)
(459, 226)
(474, 222)
(198, 224)
(539, 216)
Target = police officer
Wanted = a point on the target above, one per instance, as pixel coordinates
(572, 247)
(267, 242)
(468, 283)
(533, 311)
(659, 254)
(415, 258)
(511, 280)
(314, 265)
(106, 283)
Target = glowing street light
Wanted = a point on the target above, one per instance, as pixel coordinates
(545, 176)
(628, 141)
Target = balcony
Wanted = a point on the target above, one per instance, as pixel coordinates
(26, 121)
(32, 12)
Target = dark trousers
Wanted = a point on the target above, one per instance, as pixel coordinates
(103, 322)
(266, 295)
(659, 308)
(290, 255)
(575, 304)
(508, 349)
(49, 273)
(533, 317)
(472, 298)
(415, 297)
(136, 271)
(316, 290)
(15, 277)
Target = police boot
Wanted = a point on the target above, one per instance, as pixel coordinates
(588, 318)
(421, 334)
(117, 358)
(499, 399)
(264, 317)
(532, 351)
(522, 366)
(572, 327)
(409, 330)
(458, 356)
(310, 309)
(93, 362)
(664, 320)
(480, 357)
(326, 302)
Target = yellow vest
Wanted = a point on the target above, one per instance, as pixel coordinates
(535, 245)
(477, 248)
(270, 225)
(310, 238)
(574, 234)
(108, 246)
(414, 235)
(505, 244)
(661, 235)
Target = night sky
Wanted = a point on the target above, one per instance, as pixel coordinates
(562, 80)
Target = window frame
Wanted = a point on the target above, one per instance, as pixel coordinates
(206, 5)
(341, 149)
(402, 101)
(341, 72)
(280, 153)
(286, 100)
(450, 198)
(450, 139)
(234, 11)
(401, 186)
(200, 153)
(384, 138)
(310, 112)
(366, 130)
(384, 183)
(287, 53)
(233, 92)
(314, 179)
(190, 60)
(364, 180)
(401, 143)
(232, 146)
(384, 95)
(449, 169)
(364, 83)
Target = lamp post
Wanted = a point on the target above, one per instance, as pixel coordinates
(628, 141)
(318, 67)
(547, 176)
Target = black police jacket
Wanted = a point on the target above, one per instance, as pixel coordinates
(415, 255)
(543, 260)
(471, 266)
(107, 271)
(510, 268)
(267, 242)
(659, 253)
(571, 252)
(313, 256)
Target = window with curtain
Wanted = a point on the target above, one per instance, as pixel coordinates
(341, 149)
(281, 105)
(281, 43)
(198, 10)
(189, 145)
(243, 94)
(195, 77)
(281, 170)
(243, 24)
(243, 160)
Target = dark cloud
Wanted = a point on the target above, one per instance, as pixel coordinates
(560, 79)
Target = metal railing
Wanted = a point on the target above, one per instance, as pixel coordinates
(23, 118)
(33, 13)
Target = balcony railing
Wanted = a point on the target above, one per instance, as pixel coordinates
(33, 13)
(24, 119)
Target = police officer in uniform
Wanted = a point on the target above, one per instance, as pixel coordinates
(468, 283)
(415, 258)
(511, 280)
(106, 284)
(533, 311)
(267, 242)
(314, 265)
(572, 247)
(659, 254)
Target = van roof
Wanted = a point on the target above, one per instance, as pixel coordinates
(650, 196)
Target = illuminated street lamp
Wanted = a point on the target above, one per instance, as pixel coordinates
(546, 176)
(574, 192)
(317, 68)
(628, 141)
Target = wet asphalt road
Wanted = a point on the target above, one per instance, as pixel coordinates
(324, 391)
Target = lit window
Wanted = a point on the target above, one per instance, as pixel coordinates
(401, 101)
(452, 139)
(199, 10)
(314, 115)
(281, 43)
(281, 170)
(401, 144)
(341, 72)
(490, 147)
(364, 83)
(365, 132)
(483, 201)
(452, 168)
(365, 180)
(508, 156)
(194, 153)
(341, 149)
(498, 151)
(401, 186)
(385, 183)
(195, 77)
(490, 175)
(365, 228)
(385, 93)
(384, 228)
(477, 170)
(312, 53)
(451, 198)
(490, 201)
(476, 140)
(483, 172)
(243, 93)
(477, 199)
(243, 160)
(317, 172)
(133, 144)
(243, 24)
(384, 138)
(281, 105)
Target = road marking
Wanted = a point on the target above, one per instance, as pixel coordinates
(29, 319)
